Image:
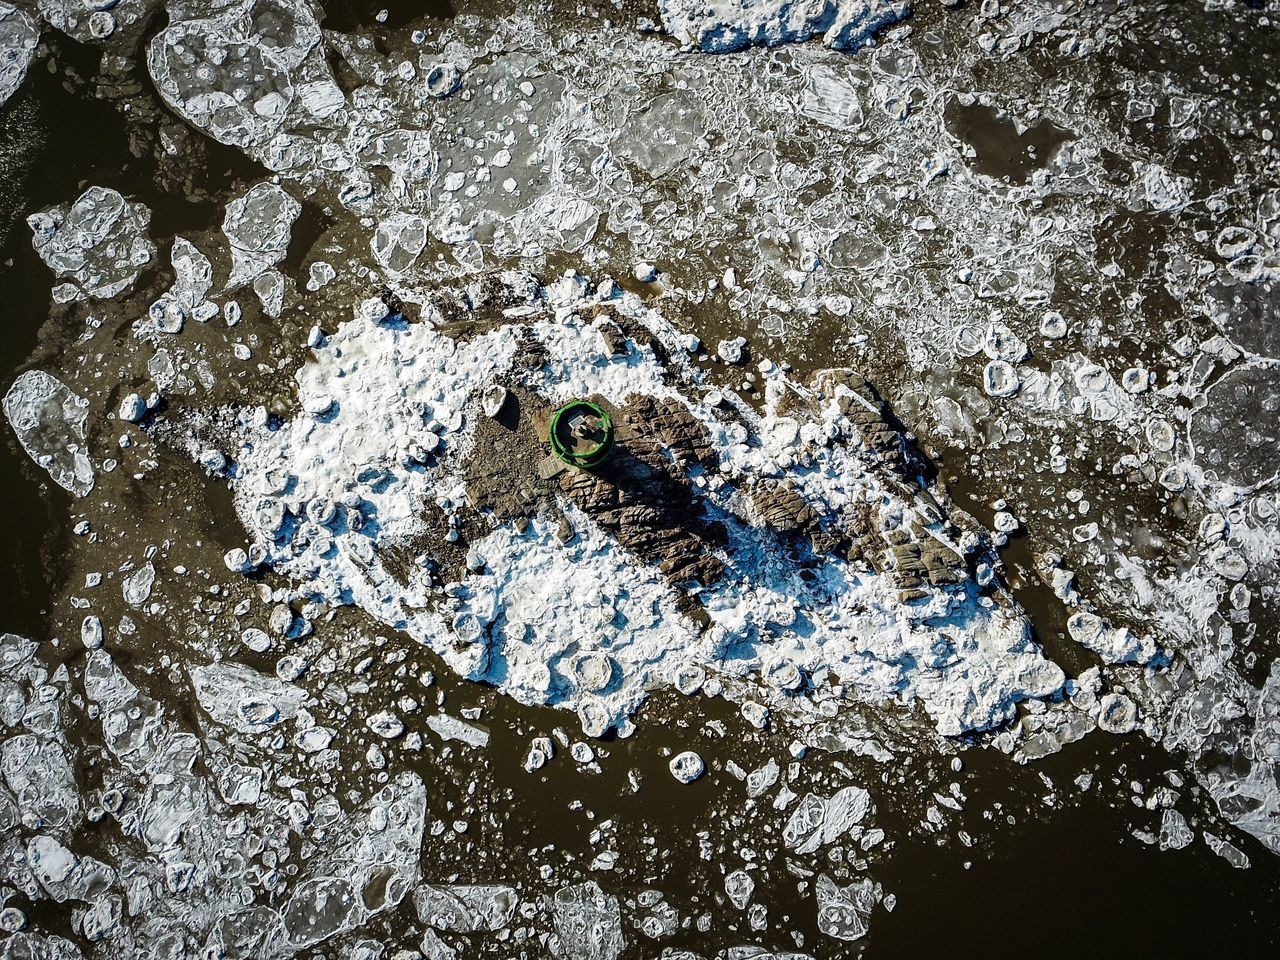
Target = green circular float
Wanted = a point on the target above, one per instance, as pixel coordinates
(581, 434)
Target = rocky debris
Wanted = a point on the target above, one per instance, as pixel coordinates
(257, 226)
(528, 559)
(99, 243)
(640, 494)
(49, 421)
(719, 26)
(857, 399)
(19, 36)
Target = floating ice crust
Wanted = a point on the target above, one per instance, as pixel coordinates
(49, 421)
(257, 226)
(191, 834)
(19, 36)
(99, 243)
(719, 26)
(240, 68)
(388, 416)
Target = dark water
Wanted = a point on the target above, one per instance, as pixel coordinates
(1060, 881)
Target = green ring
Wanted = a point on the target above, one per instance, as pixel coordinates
(589, 458)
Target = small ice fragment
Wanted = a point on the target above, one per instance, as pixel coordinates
(91, 633)
(687, 766)
(258, 226)
(731, 351)
(739, 886)
(451, 728)
(132, 408)
(385, 724)
(443, 79)
(1117, 714)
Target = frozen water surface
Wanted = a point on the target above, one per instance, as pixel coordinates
(941, 353)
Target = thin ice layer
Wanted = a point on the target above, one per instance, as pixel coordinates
(49, 421)
(19, 35)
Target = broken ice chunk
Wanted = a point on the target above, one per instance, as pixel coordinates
(100, 242)
(443, 79)
(19, 36)
(39, 774)
(819, 821)
(385, 724)
(720, 26)
(451, 728)
(1174, 832)
(739, 886)
(687, 766)
(1112, 644)
(231, 74)
(239, 697)
(399, 241)
(1117, 714)
(137, 586)
(465, 909)
(843, 911)
(371, 864)
(269, 288)
(50, 423)
(1000, 379)
(132, 408)
(588, 924)
(258, 226)
(1227, 850)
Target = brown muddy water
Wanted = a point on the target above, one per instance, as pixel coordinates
(1034, 862)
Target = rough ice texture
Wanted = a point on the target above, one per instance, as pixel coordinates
(718, 26)
(99, 243)
(191, 828)
(258, 225)
(19, 36)
(239, 70)
(390, 412)
(49, 421)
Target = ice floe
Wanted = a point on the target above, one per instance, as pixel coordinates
(49, 421)
(99, 242)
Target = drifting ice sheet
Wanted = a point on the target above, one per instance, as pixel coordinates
(49, 420)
